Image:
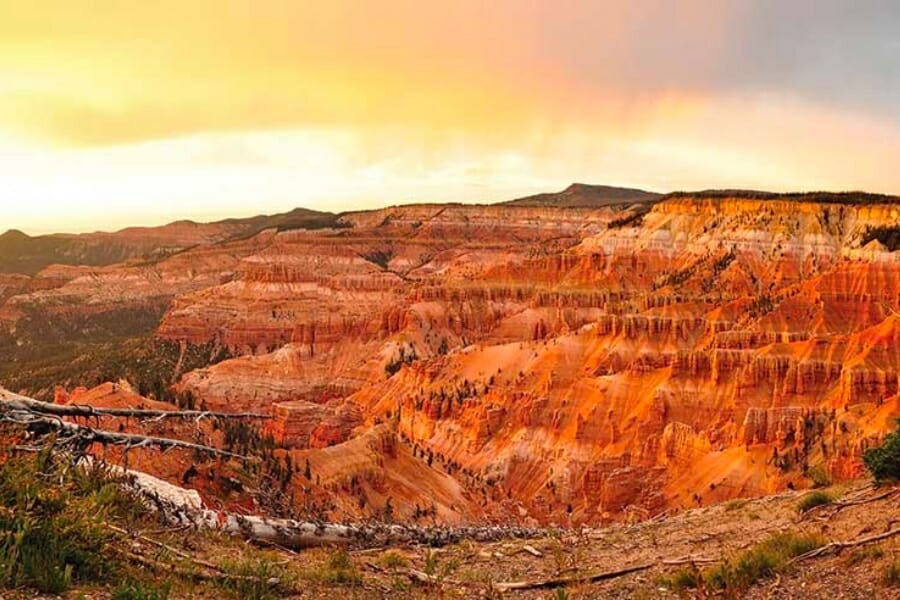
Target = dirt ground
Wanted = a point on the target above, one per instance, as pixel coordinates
(704, 536)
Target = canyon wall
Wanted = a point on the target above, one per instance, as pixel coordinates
(537, 363)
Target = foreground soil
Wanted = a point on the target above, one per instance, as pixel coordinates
(470, 570)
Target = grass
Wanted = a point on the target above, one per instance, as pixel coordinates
(337, 568)
(759, 562)
(439, 569)
(261, 578)
(393, 560)
(812, 500)
(820, 477)
(736, 504)
(891, 575)
(53, 530)
(864, 554)
(140, 590)
(681, 580)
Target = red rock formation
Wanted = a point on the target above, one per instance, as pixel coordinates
(533, 361)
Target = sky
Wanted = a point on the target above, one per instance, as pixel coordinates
(118, 112)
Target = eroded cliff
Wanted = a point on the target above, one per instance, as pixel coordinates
(542, 363)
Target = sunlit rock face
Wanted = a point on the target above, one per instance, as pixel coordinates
(546, 364)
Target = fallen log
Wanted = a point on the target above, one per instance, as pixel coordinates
(601, 576)
(575, 579)
(182, 507)
(837, 546)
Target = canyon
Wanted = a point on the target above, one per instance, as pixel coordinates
(572, 358)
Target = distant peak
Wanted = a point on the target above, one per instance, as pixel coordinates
(590, 188)
(586, 195)
(15, 234)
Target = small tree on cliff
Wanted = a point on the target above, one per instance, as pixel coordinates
(884, 462)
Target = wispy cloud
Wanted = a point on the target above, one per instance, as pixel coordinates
(340, 104)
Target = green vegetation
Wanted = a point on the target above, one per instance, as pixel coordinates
(581, 195)
(393, 560)
(406, 356)
(439, 570)
(139, 590)
(736, 575)
(255, 578)
(634, 219)
(682, 579)
(736, 504)
(382, 258)
(45, 352)
(21, 253)
(820, 477)
(336, 569)
(884, 462)
(812, 500)
(63, 527)
(891, 576)
(761, 561)
(53, 530)
(889, 236)
(864, 554)
(819, 197)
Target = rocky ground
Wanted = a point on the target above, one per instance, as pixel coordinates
(661, 549)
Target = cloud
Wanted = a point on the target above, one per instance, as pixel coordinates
(111, 72)
(345, 103)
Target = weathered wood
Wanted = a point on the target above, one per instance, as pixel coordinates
(573, 580)
(836, 546)
(601, 576)
(18, 402)
(183, 507)
(83, 436)
(44, 417)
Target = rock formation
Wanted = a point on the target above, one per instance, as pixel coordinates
(555, 364)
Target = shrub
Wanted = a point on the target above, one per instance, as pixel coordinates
(337, 568)
(812, 500)
(736, 504)
(891, 576)
(884, 462)
(864, 554)
(889, 236)
(683, 579)
(53, 524)
(820, 477)
(340, 569)
(761, 561)
(393, 560)
(258, 578)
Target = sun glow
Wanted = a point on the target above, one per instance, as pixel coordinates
(113, 113)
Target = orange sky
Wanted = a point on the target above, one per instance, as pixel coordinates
(116, 112)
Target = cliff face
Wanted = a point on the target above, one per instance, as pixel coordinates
(547, 363)
(713, 348)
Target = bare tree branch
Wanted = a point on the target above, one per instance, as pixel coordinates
(16, 401)
(82, 436)
(181, 506)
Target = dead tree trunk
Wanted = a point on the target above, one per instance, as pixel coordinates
(180, 506)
